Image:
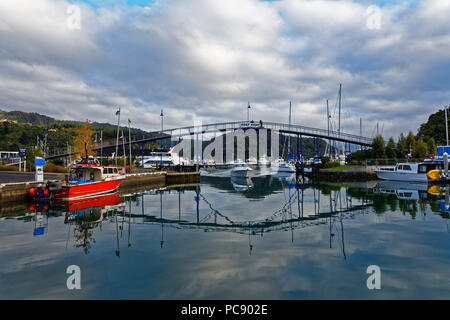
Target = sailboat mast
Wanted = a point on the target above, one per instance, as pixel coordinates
(328, 126)
(340, 99)
(289, 137)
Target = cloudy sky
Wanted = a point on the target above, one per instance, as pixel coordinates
(203, 59)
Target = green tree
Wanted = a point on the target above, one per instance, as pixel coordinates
(378, 149)
(410, 142)
(390, 149)
(431, 146)
(401, 146)
(420, 149)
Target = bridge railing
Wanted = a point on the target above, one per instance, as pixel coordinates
(234, 125)
(335, 135)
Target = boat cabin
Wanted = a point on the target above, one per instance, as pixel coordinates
(88, 174)
(418, 167)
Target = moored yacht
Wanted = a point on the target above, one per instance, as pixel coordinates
(415, 172)
(164, 158)
(281, 166)
(263, 162)
(241, 169)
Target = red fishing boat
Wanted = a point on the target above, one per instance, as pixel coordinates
(87, 179)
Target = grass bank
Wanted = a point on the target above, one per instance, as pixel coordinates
(339, 168)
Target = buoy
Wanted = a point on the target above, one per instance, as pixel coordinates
(434, 190)
(46, 193)
(434, 174)
(32, 206)
(32, 192)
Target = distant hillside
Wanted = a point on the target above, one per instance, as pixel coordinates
(27, 126)
(27, 117)
(37, 119)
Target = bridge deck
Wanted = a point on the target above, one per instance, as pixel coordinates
(230, 126)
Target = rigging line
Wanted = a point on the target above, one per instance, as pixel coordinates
(210, 205)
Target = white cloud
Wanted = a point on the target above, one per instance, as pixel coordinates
(208, 58)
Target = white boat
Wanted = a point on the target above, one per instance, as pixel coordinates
(414, 172)
(403, 190)
(263, 162)
(165, 158)
(281, 166)
(241, 169)
(241, 183)
(252, 161)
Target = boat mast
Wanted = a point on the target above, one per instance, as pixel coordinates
(339, 118)
(340, 98)
(289, 137)
(328, 126)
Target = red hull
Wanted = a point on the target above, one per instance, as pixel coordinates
(91, 202)
(87, 189)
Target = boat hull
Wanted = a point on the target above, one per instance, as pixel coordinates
(80, 191)
(283, 169)
(401, 176)
(240, 173)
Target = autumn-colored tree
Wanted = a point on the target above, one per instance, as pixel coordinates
(84, 139)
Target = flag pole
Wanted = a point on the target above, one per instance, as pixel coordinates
(117, 139)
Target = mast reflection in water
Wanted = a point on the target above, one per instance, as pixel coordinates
(264, 237)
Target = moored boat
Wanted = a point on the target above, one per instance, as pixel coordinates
(263, 162)
(414, 172)
(241, 169)
(281, 166)
(87, 178)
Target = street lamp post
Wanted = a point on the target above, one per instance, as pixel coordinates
(248, 112)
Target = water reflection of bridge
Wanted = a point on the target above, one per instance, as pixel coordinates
(285, 218)
(340, 208)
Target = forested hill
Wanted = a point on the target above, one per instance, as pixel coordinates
(434, 127)
(37, 119)
(26, 127)
(27, 117)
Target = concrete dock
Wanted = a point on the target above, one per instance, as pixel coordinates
(18, 191)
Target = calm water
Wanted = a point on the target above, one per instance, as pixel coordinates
(240, 239)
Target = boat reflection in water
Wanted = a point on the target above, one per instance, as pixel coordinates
(263, 229)
(403, 190)
(241, 183)
(88, 214)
